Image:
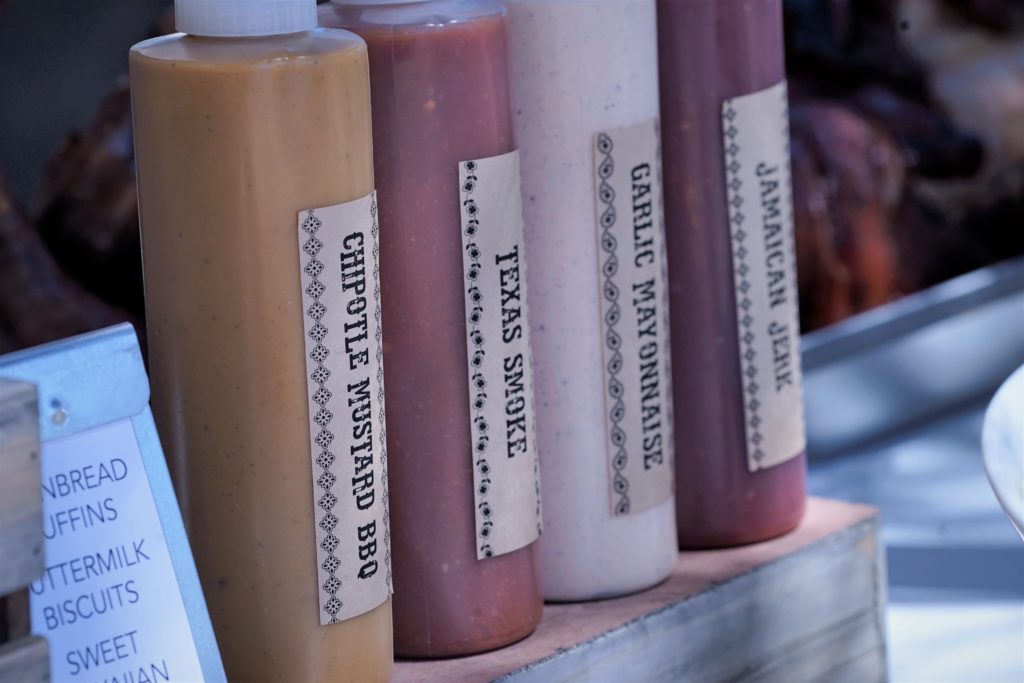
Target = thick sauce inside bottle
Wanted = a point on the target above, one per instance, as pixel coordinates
(234, 138)
(712, 50)
(580, 67)
(440, 97)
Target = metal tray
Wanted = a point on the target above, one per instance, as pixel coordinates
(895, 399)
(914, 360)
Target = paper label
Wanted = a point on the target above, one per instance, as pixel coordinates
(634, 313)
(758, 179)
(339, 253)
(505, 467)
(109, 601)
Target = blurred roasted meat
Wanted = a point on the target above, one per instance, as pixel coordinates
(908, 145)
(848, 180)
(88, 215)
(38, 301)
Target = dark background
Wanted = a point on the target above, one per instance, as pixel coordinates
(58, 58)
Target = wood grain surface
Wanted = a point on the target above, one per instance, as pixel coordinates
(805, 607)
(21, 511)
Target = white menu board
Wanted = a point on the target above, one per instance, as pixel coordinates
(119, 600)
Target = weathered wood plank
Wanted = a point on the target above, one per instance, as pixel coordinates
(15, 620)
(25, 661)
(806, 607)
(21, 511)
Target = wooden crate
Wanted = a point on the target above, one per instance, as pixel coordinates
(26, 660)
(805, 607)
(21, 504)
(23, 658)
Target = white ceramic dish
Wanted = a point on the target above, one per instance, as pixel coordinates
(1002, 442)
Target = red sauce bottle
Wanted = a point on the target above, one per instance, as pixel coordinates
(440, 96)
(711, 51)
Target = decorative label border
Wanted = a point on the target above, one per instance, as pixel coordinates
(734, 185)
(474, 315)
(317, 331)
(381, 423)
(614, 388)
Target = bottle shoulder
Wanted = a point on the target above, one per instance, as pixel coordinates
(426, 14)
(180, 48)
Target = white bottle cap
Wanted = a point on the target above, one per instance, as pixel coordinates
(242, 18)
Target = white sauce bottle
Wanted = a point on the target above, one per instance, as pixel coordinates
(580, 68)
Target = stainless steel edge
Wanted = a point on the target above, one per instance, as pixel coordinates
(913, 360)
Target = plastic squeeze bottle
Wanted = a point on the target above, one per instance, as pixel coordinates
(585, 95)
(462, 453)
(253, 144)
(740, 459)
